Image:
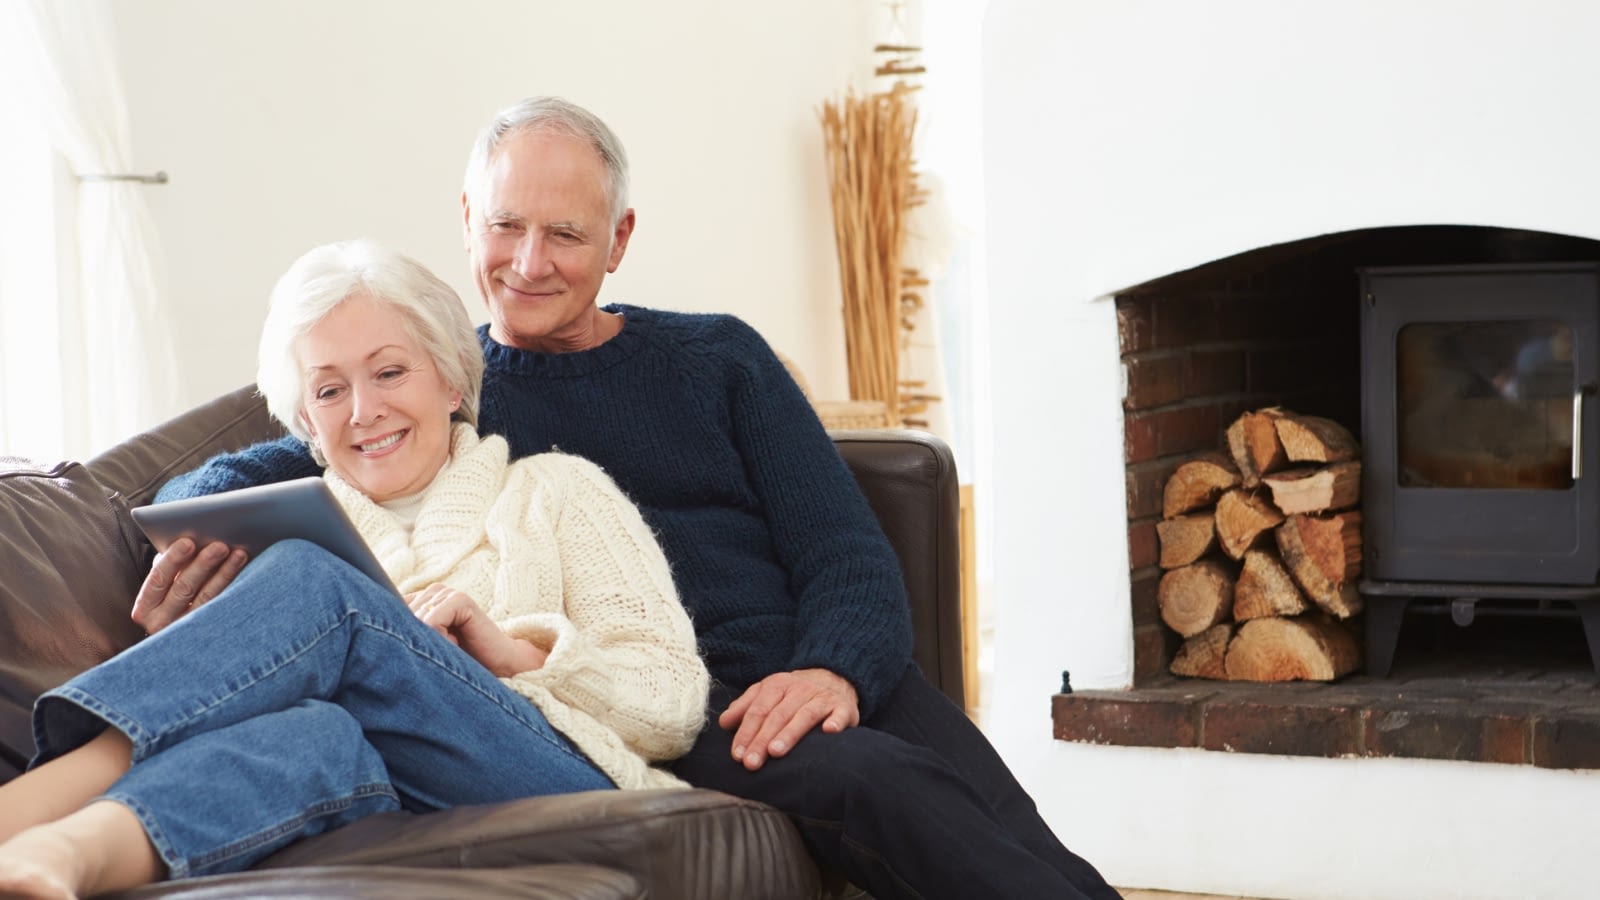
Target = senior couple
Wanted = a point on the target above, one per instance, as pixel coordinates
(697, 540)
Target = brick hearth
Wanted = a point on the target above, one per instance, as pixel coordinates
(1545, 718)
(1471, 694)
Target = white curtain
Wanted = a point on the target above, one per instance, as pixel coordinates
(112, 365)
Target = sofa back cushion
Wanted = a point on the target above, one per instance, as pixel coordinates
(73, 562)
(139, 466)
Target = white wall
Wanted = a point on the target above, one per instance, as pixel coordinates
(288, 123)
(1128, 140)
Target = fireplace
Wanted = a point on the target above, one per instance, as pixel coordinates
(1232, 137)
(1284, 325)
(1478, 434)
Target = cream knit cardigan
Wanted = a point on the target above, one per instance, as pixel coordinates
(554, 552)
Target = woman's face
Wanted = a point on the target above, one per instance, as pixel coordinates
(374, 400)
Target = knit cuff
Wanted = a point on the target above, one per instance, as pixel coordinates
(549, 632)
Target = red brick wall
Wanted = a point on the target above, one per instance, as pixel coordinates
(1198, 350)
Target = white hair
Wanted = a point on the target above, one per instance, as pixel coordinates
(556, 116)
(327, 276)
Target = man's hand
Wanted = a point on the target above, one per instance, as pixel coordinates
(183, 578)
(463, 623)
(777, 711)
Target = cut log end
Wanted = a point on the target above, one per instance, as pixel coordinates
(1265, 588)
(1315, 439)
(1253, 443)
(1307, 648)
(1186, 539)
(1241, 519)
(1323, 554)
(1198, 483)
(1205, 654)
(1196, 597)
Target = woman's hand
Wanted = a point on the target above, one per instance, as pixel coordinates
(183, 577)
(463, 623)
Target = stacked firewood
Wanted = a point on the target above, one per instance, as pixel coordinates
(1262, 546)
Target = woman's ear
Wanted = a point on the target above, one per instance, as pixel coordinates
(313, 446)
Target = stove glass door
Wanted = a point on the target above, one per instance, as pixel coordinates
(1485, 404)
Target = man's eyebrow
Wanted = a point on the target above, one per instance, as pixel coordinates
(502, 215)
(566, 226)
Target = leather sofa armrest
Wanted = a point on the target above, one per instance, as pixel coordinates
(71, 563)
(910, 481)
(677, 842)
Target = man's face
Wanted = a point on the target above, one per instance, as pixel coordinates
(539, 231)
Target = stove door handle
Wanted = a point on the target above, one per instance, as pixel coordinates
(1577, 428)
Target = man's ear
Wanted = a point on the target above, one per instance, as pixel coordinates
(466, 222)
(619, 240)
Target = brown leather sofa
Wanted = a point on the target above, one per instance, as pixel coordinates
(72, 561)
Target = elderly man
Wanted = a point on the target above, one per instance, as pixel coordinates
(795, 594)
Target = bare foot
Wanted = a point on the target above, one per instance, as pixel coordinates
(39, 863)
(101, 847)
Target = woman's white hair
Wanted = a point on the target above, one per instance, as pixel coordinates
(557, 116)
(327, 276)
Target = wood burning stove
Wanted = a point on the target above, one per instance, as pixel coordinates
(1481, 469)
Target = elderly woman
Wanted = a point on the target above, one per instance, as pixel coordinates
(544, 649)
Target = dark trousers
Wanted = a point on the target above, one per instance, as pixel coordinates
(912, 803)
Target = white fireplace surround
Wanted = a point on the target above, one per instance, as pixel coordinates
(1128, 140)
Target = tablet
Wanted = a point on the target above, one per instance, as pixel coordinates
(255, 518)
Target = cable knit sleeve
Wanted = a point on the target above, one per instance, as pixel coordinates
(623, 650)
(263, 463)
(852, 612)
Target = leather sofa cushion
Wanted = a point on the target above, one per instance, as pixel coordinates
(73, 562)
(545, 882)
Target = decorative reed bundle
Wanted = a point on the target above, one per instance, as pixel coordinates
(872, 185)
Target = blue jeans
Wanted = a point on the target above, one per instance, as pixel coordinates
(302, 698)
(914, 803)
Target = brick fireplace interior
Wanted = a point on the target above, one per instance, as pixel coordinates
(1280, 326)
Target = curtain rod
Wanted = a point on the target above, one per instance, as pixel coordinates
(157, 178)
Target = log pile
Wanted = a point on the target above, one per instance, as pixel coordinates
(1261, 547)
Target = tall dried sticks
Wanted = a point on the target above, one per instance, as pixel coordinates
(872, 185)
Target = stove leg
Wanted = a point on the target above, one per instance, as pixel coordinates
(1383, 631)
(1589, 610)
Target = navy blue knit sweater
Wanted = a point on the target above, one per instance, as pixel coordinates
(775, 552)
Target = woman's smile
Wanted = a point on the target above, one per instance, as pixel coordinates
(373, 448)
